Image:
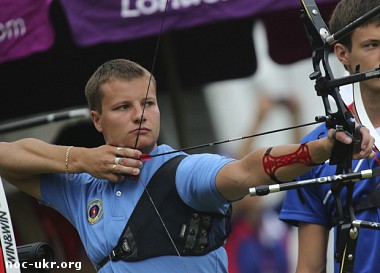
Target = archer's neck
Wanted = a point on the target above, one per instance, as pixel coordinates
(371, 101)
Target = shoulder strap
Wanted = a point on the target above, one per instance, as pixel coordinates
(194, 232)
(126, 245)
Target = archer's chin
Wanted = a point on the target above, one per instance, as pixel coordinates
(146, 147)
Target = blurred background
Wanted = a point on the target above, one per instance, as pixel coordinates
(225, 69)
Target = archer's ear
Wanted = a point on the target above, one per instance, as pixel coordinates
(342, 54)
(96, 120)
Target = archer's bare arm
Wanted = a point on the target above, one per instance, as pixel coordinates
(22, 162)
(312, 248)
(234, 179)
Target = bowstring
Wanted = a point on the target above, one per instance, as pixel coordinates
(151, 72)
(139, 130)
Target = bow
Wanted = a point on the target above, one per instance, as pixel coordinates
(341, 120)
(8, 248)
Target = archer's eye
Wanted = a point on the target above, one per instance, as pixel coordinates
(372, 45)
(123, 107)
(149, 103)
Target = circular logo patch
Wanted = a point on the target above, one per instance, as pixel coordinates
(94, 211)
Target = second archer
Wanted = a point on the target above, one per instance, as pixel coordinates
(319, 213)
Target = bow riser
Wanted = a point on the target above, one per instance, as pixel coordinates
(317, 33)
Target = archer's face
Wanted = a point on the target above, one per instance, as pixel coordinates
(366, 52)
(122, 107)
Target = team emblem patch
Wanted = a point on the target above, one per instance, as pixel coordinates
(94, 211)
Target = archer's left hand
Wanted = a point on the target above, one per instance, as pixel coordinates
(363, 149)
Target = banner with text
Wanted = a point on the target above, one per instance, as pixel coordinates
(25, 28)
(94, 22)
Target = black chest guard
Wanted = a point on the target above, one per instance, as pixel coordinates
(193, 232)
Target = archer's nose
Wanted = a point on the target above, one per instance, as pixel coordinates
(139, 115)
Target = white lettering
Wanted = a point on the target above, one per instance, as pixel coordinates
(330, 178)
(322, 179)
(126, 10)
(44, 265)
(210, 1)
(147, 7)
(177, 4)
(13, 28)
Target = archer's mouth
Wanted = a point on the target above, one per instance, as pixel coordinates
(141, 130)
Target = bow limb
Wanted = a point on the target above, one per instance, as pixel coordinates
(339, 119)
(7, 237)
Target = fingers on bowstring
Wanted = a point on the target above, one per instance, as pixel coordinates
(127, 152)
(128, 157)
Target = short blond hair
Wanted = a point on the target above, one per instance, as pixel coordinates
(112, 70)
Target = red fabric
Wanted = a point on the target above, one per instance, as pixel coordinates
(240, 232)
(2, 268)
(273, 163)
(57, 227)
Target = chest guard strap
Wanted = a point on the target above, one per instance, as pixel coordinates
(371, 201)
(194, 232)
